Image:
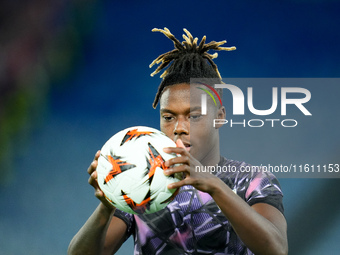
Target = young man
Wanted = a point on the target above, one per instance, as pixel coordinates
(214, 213)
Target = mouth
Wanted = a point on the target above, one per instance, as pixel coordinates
(187, 146)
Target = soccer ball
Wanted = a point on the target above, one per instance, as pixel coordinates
(130, 170)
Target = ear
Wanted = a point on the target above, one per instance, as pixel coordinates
(221, 114)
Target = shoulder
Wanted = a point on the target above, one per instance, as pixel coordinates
(251, 183)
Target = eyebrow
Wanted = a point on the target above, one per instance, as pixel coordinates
(195, 108)
(165, 110)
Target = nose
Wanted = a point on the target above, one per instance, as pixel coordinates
(182, 127)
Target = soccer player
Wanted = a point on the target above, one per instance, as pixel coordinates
(220, 212)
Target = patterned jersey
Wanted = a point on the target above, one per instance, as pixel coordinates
(193, 224)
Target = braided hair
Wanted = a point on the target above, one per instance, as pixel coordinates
(189, 60)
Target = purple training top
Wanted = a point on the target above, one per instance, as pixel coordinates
(193, 224)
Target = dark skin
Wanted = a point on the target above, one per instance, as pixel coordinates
(261, 227)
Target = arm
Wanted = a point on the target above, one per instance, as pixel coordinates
(261, 227)
(102, 233)
(92, 237)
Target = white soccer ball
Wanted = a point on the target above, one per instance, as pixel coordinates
(130, 170)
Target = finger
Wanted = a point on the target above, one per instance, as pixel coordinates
(99, 193)
(178, 169)
(179, 143)
(96, 156)
(93, 180)
(177, 160)
(178, 184)
(94, 183)
(94, 163)
(94, 175)
(92, 167)
(176, 150)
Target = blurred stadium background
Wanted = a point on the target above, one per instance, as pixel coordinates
(73, 73)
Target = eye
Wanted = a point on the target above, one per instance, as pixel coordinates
(195, 116)
(167, 118)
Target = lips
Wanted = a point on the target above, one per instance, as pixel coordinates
(187, 146)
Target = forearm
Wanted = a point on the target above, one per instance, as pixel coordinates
(258, 233)
(89, 238)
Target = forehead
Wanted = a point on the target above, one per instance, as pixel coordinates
(181, 93)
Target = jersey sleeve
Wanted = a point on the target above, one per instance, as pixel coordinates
(264, 187)
(128, 219)
(251, 183)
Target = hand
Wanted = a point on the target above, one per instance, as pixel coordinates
(94, 183)
(186, 164)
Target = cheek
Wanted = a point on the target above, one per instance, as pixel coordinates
(203, 132)
(167, 129)
(200, 130)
